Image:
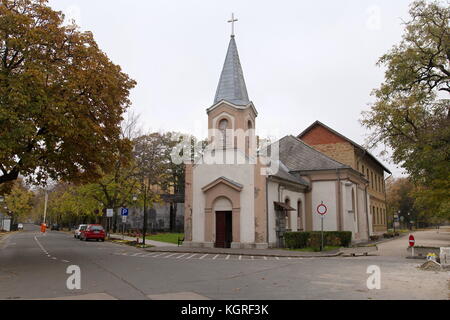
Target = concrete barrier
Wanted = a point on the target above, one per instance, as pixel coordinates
(422, 252)
(444, 257)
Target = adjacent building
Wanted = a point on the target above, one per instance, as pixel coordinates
(344, 150)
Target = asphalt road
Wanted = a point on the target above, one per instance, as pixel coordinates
(33, 266)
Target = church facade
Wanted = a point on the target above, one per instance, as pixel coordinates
(243, 194)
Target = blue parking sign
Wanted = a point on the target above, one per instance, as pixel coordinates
(124, 212)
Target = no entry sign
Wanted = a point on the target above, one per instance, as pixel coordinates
(412, 241)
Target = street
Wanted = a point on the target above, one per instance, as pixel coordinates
(33, 266)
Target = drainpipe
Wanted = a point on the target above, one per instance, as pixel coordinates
(367, 213)
(339, 201)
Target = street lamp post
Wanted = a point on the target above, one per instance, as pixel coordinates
(144, 229)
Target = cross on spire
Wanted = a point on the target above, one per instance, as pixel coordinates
(232, 21)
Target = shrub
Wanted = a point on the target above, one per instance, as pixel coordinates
(374, 238)
(299, 240)
(296, 240)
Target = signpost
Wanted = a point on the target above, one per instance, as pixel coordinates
(322, 210)
(124, 214)
(412, 242)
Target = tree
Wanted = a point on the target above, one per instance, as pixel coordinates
(61, 98)
(411, 113)
(19, 201)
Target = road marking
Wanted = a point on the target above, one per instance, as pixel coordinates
(216, 257)
(240, 257)
(252, 257)
(53, 258)
(183, 255)
(171, 255)
(150, 254)
(65, 261)
(191, 256)
(136, 254)
(201, 258)
(277, 258)
(265, 258)
(228, 257)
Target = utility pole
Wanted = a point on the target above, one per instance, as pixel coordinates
(144, 228)
(45, 205)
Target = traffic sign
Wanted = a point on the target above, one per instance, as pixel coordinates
(322, 209)
(412, 241)
(124, 212)
(124, 219)
(109, 213)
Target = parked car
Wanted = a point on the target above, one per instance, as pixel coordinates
(93, 231)
(55, 227)
(20, 226)
(77, 231)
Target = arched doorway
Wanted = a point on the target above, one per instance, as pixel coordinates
(223, 211)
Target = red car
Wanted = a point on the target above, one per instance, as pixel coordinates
(93, 231)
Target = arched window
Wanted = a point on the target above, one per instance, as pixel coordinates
(288, 215)
(223, 126)
(300, 216)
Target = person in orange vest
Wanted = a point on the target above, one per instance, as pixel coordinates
(43, 227)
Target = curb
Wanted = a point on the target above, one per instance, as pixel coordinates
(262, 254)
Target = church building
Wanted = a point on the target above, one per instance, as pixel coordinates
(241, 194)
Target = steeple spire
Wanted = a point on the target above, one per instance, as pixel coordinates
(232, 86)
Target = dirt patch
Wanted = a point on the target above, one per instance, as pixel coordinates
(431, 266)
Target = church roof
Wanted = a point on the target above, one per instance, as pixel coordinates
(232, 86)
(298, 156)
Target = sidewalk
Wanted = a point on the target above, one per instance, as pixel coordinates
(147, 241)
(248, 252)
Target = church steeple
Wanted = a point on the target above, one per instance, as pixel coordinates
(232, 86)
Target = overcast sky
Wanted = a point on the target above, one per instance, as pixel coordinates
(302, 60)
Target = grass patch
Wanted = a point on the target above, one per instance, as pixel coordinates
(166, 237)
(310, 249)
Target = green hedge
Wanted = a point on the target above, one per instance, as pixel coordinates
(299, 240)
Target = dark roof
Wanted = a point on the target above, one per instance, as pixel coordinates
(284, 174)
(283, 206)
(318, 123)
(298, 156)
(232, 86)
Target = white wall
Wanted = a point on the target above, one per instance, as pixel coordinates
(206, 172)
(324, 191)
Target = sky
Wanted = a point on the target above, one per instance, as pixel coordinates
(303, 60)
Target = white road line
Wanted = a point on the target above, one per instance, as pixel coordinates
(65, 261)
(201, 258)
(191, 256)
(53, 258)
(160, 254)
(252, 257)
(265, 258)
(277, 258)
(228, 257)
(150, 254)
(183, 255)
(240, 257)
(216, 257)
(136, 254)
(171, 255)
